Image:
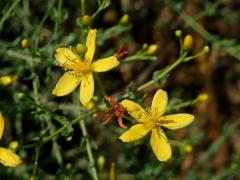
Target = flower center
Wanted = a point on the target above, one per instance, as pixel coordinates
(77, 66)
(152, 119)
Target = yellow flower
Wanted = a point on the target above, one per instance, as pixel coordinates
(7, 157)
(152, 120)
(80, 70)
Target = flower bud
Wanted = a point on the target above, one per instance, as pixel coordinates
(188, 148)
(188, 42)
(101, 162)
(68, 166)
(20, 95)
(202, 97)
(86, 20)
(178, 33)
(206, 49)
(112, 174)
(25, 43)
(80, 48)
(152, 49)
(234, 166)
(14, 145)
(6, 80)
(124, 19)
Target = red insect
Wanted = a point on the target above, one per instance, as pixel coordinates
(115, 110)
(121, 52)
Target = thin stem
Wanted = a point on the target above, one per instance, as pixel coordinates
(8, 13)
(99, 2)
(56, 26)
(83, 7)
(59, 131)
(194, 56)
(185, 104)
(37, 154)
(35, 84)
(140, 57)
(165, 71)
(28, 146)
(89, 150)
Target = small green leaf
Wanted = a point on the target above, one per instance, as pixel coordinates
(161, 79)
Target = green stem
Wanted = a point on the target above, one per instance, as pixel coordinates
(59, 131)
(37, 149)
(56, 26)
(185, 104)
(8, 13)
(35, 84)
(83, 7)
(166, 70)
(194, 56)
(140, 57)
(89, 150)
(99, 2)
(28, 146)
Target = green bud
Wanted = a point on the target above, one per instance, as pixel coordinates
(14, 145)
(101, 162)
(178, 33)
(124, 19)
(80, 48)
(20, 95)
(206, 49)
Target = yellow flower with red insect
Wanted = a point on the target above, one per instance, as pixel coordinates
(7, 157)
(152, 120)
(79, 70)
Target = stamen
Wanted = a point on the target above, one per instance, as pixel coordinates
(76, 65)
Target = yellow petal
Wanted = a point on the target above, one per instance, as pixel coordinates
(134, 133)
(105, 64)
(135, 110)
(176, 121)
(160, 145)
(87, 88)
(1, 124)
(159, 102)
(65, 54)
(91, 45)
(66, 84)
(8, 158)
